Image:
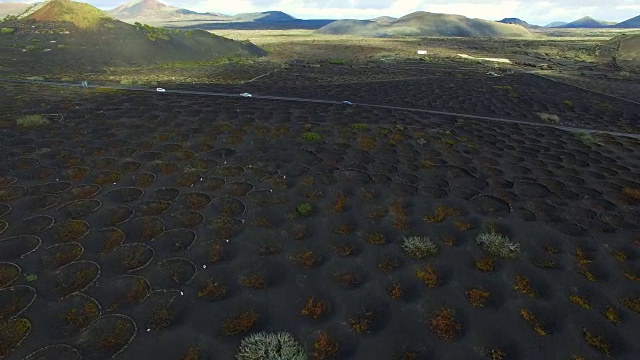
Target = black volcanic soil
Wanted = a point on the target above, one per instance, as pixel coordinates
(443, 86)
(187, 217)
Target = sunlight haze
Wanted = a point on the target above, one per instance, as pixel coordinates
(535, 12)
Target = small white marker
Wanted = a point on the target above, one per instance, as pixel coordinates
(204, 266)
(181, 293)
(148, 330)
(227, 240)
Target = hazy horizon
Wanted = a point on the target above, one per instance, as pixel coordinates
(539, 13)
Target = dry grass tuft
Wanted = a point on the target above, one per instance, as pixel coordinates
(537, 326)
(632, 304)
(375, 238)
(632, 193)
(597, 342)
(428, 276)
(254, 281)
(213, 290)
(477, 297)
(362, 323)
(583, 303)
(444, 325)
(612, 314)
(325, 347)
(314, 309)
(584, 265)
(306, 259)
(395, 291)
(440, 214)
(388, 265)
(485, 264)
(240, 324)
(340, 203)
(522, 284)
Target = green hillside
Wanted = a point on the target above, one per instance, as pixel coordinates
(79, 14)
(623, 52)
(65, 35)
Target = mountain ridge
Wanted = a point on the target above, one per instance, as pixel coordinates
(427, 24)
(587, 22)
(632, 23)
(155, 10)
(518, 21)
(12, 8)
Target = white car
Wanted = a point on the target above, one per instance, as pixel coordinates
(160, 90)
(246, 95)
(347, 102)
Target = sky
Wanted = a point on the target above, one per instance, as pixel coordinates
(535, 12)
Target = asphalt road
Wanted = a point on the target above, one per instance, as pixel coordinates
(328, 102)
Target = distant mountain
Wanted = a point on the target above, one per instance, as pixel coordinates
(556, 24)
(267, 16)
(12, 8)
(93, 40)
(632, 23)
(154, 12)
(384, 19)
(426, 24)
(518, 22)
(587, 23)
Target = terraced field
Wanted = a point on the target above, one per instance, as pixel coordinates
(159, 225)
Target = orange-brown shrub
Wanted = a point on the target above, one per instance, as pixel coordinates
(444, 325)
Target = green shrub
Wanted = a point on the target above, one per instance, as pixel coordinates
(32, 121)
(304, 209)
(7, 30)
(271, 346)
(338, 61)
(419, 247)
(586, 138)
(498, 245)
(311, 137)
(549, 118)
(153, 33)
(568, 103)
(508, 88)
(359, 126)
